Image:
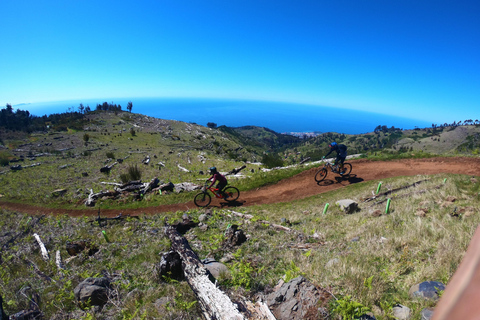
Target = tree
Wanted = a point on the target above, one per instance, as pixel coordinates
(81, 108)
(212, 125)
(129, 106)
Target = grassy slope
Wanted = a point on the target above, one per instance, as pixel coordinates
(394, 250)
(415, 248)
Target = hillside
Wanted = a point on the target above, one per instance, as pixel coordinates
(448, 140)
(366, 260)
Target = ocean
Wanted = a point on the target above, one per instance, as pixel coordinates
(277, 116)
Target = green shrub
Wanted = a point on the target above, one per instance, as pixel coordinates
(133, 173)
(349, 309)
(110, 155)
(4, 161)
(272, 160)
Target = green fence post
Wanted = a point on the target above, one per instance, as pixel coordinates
(388, 205)
(326, 208)
(379, 186)
(105, 235)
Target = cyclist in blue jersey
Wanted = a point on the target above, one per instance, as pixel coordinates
(341, 150)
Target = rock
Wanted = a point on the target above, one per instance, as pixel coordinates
(356, 239)
(75, 247)
(171, 266)
(227, 258)
(427, 290)
(297, 300)
(332, 262)
(234, 236)
(426, 314)
(347, 205)
(421, 212)
(203, 217)
(217, 269)
(92, 291)
(451, 199)
(377, 213)
(401, 312)
(161, 304)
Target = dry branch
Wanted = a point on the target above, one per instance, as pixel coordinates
(214, 303)
(42, 247)
(386, 193)
(236, 170)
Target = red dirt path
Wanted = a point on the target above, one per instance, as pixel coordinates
(300, 186)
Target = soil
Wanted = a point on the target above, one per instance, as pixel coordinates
(297, 187)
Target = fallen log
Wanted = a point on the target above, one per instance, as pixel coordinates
(92, 197)
(214, 303)
(236, 170)
(106, 169)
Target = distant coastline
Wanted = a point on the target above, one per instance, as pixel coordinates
(277, 116)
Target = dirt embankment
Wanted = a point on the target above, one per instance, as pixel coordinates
(300, 186)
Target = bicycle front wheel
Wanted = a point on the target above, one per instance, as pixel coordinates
(202, 199)
(347, 168)
(232, 193)
(321, 175)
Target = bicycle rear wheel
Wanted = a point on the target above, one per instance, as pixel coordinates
(202, 199)
(347, 168)
(321, 175)
(232, 193)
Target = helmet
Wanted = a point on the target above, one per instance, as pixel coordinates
(332, 145)
(213, 170)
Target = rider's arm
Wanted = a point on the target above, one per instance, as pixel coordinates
(213, 181)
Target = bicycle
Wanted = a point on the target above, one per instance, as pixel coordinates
(204, 198)
(322, 173)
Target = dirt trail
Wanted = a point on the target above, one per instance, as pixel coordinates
(297, 187)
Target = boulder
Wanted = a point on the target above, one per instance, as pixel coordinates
(426, 314)
(348, 206)
(216, 268)
(297, 300)
(401, 312)
(92, 291)
(427, 290)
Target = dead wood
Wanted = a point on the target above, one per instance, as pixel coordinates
(406, 195)
(386, 193)
(43, 250)
(37, 270)
(106, 169)
(273, 225)
(305, 160)
(20, 234)
(236, 170)
(102, 221)
(92, 197)
(214, 303)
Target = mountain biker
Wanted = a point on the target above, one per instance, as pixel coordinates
(222, 181)
(341, 150)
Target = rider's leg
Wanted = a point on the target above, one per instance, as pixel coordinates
(220, 187)
(341, 170)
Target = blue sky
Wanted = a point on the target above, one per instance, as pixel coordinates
(416, 59)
